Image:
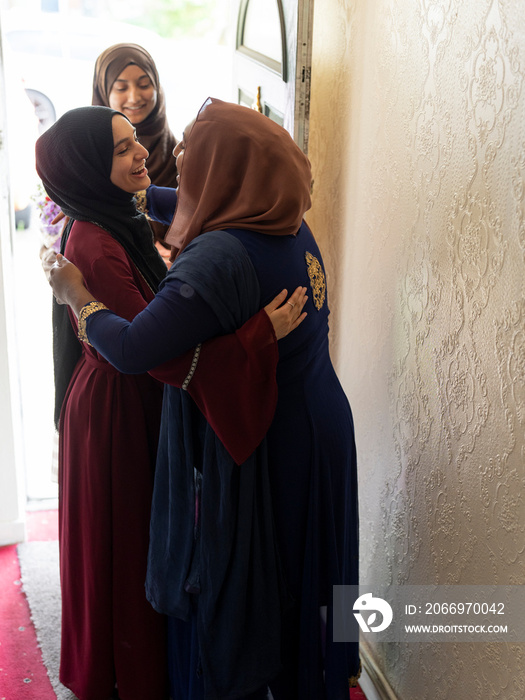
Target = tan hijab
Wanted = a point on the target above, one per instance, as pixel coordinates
(154, 132)
(240, 170)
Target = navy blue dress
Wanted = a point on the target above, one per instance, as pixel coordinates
(247, 555)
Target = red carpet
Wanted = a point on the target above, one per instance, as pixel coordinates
(357, 694)
(22, 673)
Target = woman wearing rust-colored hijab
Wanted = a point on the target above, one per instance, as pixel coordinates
(242, 171)
(126, 79)
(243, 557)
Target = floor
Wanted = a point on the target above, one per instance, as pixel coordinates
(22, 673)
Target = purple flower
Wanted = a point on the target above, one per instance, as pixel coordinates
(48, 210)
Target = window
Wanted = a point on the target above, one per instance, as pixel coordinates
(261, 34)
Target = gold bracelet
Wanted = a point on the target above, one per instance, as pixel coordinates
(88, 309)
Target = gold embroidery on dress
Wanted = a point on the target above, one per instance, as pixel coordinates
(140, 201)
(86, 311)
(317, 279)
(193, 367)
(353, 680)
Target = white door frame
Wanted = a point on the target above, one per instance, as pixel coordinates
(12, 483)
(303, 73)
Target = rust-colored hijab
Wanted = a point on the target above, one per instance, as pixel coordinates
(240, 170)
(154, 132)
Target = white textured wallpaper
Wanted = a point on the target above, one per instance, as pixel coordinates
(418, 151)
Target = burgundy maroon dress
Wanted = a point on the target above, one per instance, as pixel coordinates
(108, 444)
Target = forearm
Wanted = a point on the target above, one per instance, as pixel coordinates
(160, 203)
(77, 298)
(167, 328)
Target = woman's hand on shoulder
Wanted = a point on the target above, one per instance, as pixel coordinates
(47, 257)
(62, 275)
(67, 284)
(286, 314)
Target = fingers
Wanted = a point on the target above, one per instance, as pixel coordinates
(299, 320)
(58, 217)
(291, 307)
(296, 303)
(276, 302)
(47, 259)
(56, 282)
(287, 314)
(298, 298)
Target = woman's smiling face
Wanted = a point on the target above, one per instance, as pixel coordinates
(133, 94)
(128, 170)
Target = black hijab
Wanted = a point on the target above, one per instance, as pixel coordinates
(74, 159)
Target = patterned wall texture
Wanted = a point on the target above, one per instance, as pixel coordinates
(418, 150)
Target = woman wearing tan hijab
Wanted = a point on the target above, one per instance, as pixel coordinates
(126, 79)
(243, 557)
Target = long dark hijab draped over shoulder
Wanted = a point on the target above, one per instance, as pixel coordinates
(74, 160)
(154, 132)
(240, 170)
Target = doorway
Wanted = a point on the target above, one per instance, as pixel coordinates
(50, 48)
(50, 51)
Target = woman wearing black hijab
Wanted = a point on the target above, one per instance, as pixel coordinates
(91, 164)
(108, 423)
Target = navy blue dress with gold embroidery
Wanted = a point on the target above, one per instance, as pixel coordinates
(247, 555)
